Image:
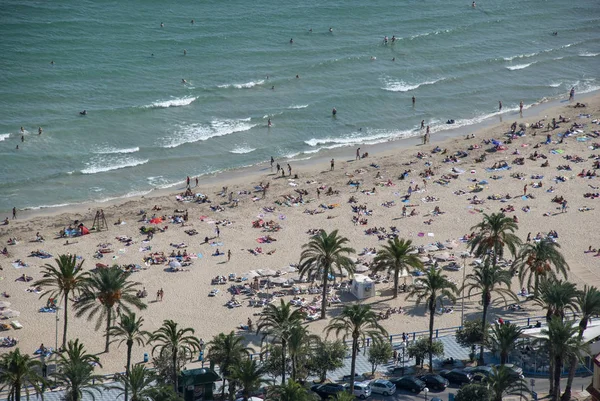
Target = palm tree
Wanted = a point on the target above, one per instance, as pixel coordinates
(140, 383)
(433, 288)
(504, 338)
(489, 280)
(563, 343)
(496, 232)
(503, 384)
(169, 338)
(17, 371)
(323, 254)
(227, 351)
(398, 256)
(358, 322)
(249, 376)
(300, 344)
(103, 292)
(279, 322)
(588, 301)
(64, 279)
(536, 260)
(75, 371)
(290, 391)
(129, 331)
(557, 297)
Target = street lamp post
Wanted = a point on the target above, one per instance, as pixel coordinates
(426, 390)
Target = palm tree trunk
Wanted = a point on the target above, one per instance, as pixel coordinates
(486, 304)
(174, 354)
(18, 390)
(431, 317)
(293, 368)
(324, 295)
(127, 366)
(557, 371)
(283, 345)
(108, 323)
(223, 389)
(573, 363)
(503, 357)
(353, 363)
(66, 320)
(396, 279)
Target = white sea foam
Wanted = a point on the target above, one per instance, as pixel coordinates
(101, 166)
(4, 137)
(241, 150)
(201, 132)
(519, 66)
(177, 102)
(401, 86)
(246, 85)
(372, 138)
(555, 84)
(109, 150)
(588, 54)
(298, 106)
(520, 56)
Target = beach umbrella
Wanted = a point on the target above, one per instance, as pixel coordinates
(443, 256)
(9, 313)
(251, 275)
(278, 280)
(288, 269)
(424, 259)
(267, 272)
(4, 304)
(174, 264)
(432, 248)
(361, 268)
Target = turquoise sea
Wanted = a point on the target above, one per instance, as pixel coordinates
(146, 129)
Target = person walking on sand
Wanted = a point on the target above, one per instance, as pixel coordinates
(278, 168)
(14, 213)
(289, 169)
(358, 154)
(196, 181)
(563, 206)
(218, 232)
(272, 161)
(521, 108)
(162, 293)
(572, 94)
(188, 181)
(422, 124)
(228, 255)
(157, 295)
(332, 165)
(525, 190)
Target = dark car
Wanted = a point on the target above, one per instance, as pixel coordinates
(479, 372)
(457, 376)
(410, 383)
(328, 389)
(435, 382)
(514, 371)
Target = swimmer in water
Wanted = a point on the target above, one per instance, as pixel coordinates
(22, 130)
(52, 62)
(310, 30)
(40, 130)
(183, 81)
(334, 111)
(297, 76)
(83, 113)
(184, 52)
(162, 25)
(385, 40)
(292, 40)
(269, 123)
(330, 29)
(273, 87)
(373, 58)
(394, 59)
(473, 5)
(393, 38)
(192, 22)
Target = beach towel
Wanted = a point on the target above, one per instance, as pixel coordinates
(582, 139)
(18, 266)
(421, 234)
(216, 244)
(557, 151)
(489, 170)
(199, 256)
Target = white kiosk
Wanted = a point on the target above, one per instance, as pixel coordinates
(362, 286)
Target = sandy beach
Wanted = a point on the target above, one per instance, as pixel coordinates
(459, 185)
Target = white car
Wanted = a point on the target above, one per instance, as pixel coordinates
(384, 387)
(361, 390)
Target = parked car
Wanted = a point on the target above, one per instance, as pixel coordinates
(457, 376)
(479, 372)
(384, 387)
(410, 383)
(328, 389)
(435, 382)
(362, 390)
(515, 371)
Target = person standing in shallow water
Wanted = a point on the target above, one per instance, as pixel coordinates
(499, 105)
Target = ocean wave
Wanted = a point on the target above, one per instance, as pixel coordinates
(422, 35)
(372, 138)
(241, 150)
(247, 85)
(4, 137)
(555, 84)
(131, 194)
(519, 66)
(401, 86)
(298, 106)
(109, 150)
(201, 132)
(588, 54)
(101, 167)
(177, 102)
(520, 56)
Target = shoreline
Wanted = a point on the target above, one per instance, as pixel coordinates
(237, 175)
